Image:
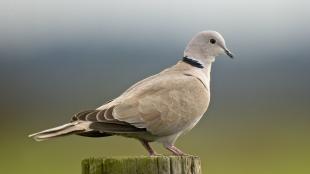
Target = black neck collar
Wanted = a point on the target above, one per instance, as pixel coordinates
(192, 61)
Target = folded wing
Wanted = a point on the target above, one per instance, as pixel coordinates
(162, 106)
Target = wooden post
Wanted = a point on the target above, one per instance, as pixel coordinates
(142, 165)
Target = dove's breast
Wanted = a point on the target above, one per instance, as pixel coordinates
(193, 102)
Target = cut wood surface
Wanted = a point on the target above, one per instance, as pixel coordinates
(142, 165)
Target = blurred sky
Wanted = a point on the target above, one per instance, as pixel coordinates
(59, 57)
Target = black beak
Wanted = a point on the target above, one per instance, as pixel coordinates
(229, 53)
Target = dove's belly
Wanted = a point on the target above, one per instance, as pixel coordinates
(140, 135)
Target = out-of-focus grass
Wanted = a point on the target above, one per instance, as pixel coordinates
(223, 147)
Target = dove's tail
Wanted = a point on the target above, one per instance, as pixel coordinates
(66, 129)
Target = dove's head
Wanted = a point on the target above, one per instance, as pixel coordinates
(206, 45)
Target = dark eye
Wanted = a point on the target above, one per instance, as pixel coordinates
(212, 41)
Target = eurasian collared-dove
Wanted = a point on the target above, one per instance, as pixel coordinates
(159, 108)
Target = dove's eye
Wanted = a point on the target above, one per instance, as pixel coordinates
(212, 41)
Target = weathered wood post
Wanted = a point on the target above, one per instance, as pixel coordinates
(142, 165)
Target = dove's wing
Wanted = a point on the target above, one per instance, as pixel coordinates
(163, 105)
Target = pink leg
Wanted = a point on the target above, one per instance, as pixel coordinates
(174, 150)
(147, 146)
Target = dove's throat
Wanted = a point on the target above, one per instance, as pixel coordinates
(207, 70)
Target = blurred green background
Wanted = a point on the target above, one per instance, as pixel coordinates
(61, 57)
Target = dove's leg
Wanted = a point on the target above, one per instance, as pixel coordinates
(147, 146)
(174, 150)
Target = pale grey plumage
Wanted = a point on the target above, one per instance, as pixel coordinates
(159, 108)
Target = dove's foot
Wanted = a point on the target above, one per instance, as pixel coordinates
(147, 146)
(175, 150)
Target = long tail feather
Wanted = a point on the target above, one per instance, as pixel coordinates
(66, 129)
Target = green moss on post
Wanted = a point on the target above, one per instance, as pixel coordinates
(142, 165)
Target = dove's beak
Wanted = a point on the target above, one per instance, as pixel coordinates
(229, 53)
